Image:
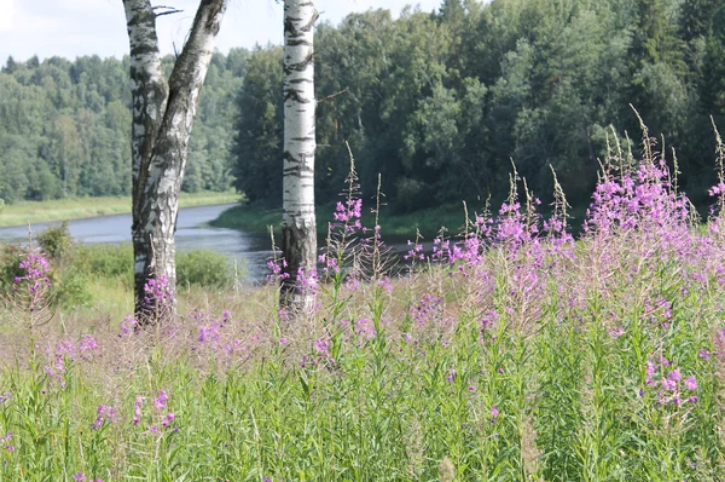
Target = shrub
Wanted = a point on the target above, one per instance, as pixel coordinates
(107, 261)
(203, 268)
(56, 242)
(71, 289)
(195, 267)
(10, 256)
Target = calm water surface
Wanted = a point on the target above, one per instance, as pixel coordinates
(192, 232)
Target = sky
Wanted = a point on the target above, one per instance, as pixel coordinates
(72, 28)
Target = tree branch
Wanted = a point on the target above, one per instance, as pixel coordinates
(168, 12)
(333, 96)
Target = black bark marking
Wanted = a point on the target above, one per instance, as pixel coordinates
(161, 146)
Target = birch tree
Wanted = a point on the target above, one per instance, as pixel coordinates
(299, 230)
(163, 112)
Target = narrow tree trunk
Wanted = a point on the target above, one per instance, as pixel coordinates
(163, 114)
(299, 231)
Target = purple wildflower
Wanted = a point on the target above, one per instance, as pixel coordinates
(691, 383)
(160, 402)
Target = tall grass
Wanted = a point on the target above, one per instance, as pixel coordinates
(511, 353)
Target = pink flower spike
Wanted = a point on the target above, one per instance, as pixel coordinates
(691, 383)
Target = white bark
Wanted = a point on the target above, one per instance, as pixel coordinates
(162, 119)
(299, 238)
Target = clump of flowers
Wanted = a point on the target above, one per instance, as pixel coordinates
(158, 292)
(128, 326)
(668, 383)
(6, 442)
(88, 347)
(277, 269)
(31, 291)
(81, 477)
(160, 419)
(105, 413)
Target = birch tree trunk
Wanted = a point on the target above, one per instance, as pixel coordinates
(299, 231)
(163, 113)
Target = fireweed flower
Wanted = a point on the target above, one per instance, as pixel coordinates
(6, 442)
(494, 413)
(667, 387)
(35, 282)
(128, 325)
(616, 332)
(160, 402)
(168, 419)
(88, 347)
(691, 383)
(104, 413)
(137, 410)
(277, 269)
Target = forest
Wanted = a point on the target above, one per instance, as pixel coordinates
(65, 127)
(440, 103)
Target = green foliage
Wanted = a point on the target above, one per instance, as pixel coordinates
(440, 103)
(65, 127)
(258, 142)
(56, 242)
(113, 262)
(71, 288)
(203, 268)
(10, 257)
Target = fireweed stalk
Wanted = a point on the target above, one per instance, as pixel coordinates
(512, 352)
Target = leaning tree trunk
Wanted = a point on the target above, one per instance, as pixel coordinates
(163, 113)
(299, 231)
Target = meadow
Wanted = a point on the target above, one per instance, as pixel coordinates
(24, 212)
(511, 353)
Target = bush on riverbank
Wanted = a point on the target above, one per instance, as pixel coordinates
(75, 267)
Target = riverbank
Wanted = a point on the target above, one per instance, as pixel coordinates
(25, 212)
(256, 220)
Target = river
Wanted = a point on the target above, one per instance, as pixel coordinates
(192, 232)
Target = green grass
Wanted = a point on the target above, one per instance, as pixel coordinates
(500, 381)
(256, 220)
(24, 212)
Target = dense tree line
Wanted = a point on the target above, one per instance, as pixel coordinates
(440, 103)
(65, 127)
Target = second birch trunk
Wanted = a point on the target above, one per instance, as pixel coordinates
(299, 231)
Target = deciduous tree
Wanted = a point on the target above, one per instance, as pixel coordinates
(163, 112)
(299, 231)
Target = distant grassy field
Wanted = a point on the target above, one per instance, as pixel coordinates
(66, 209)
